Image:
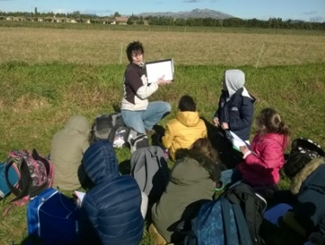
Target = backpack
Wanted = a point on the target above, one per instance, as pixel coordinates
(219, 222)
(111, 127)
(150, 170)
(103, 124)
(234, 218)
(53, 217)
(138, 141)
(307, 147)
(252, 205)
(35, 174)
(13, 174)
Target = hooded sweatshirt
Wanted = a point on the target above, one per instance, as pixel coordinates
(110, 212)
(183, 131)
(67, 148)
(309, 187)
(136, 89)
(236, 105)
(191, 182)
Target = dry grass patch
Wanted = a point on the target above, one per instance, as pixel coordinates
(37, 45)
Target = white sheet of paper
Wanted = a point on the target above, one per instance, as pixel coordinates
(236, 141)
(159, 69)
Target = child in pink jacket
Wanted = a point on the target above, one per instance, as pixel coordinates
(265, 157)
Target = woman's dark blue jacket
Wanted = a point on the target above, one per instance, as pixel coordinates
(110, 212)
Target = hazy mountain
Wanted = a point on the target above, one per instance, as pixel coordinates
(195, 13)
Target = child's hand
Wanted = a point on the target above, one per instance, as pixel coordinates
(224, 126)
(244, 149)
(216, 121)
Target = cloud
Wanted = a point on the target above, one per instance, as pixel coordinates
(311, 13)
(99, 12)
(317, 19)
(191, 1)
(60, 11)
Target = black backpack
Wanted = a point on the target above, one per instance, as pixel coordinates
(252, 206)
(103, 125)
(307, 147)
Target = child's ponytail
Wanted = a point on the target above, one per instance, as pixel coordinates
(270, 122)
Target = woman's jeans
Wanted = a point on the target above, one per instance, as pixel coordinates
(146, 119)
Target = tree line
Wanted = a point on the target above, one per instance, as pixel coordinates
(276, 23)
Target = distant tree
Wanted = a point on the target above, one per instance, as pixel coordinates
(117, 14)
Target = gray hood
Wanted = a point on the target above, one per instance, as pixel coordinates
(235, 80)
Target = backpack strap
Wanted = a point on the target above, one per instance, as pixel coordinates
(24, 179)
(242, 228)
(225, 209)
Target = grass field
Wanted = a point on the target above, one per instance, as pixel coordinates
(47, 75)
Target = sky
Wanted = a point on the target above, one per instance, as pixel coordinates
(307, 10)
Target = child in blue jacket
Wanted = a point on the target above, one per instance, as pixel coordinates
(236, 105)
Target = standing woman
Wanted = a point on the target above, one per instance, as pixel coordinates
(137, 112)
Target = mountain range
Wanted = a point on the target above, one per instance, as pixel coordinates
(195, 13)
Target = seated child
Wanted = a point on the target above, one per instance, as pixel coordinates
(111, 210)
(67, 148)
(307, 184)
(265, 157)
(263, 161)
(192, 179)
(236, 105)
(187, 127)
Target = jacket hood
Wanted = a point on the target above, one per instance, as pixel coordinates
(317, 182)
(78, 124)
(188, 118)
(192, 166)
(100, 162)
(235, 80)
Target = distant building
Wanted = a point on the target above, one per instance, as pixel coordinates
(122, 20)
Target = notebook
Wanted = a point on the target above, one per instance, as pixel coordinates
(159, 69)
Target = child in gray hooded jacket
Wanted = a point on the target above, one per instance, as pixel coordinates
(236, 105)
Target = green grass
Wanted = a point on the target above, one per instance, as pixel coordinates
(36, 100)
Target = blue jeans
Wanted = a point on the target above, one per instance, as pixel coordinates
(230, 176)
(146, 119)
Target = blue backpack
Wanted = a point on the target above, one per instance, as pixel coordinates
(13, 177)
(53, 217)
(233, 219)
(219, 223)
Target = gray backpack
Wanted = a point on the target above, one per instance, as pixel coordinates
(150, 170)
(103, 125)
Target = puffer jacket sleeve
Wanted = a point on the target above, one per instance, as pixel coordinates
(88, 224)
(270, 156)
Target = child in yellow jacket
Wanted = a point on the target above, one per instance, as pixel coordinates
(185, 129)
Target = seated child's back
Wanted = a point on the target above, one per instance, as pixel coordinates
(185, 129)
(67, 148)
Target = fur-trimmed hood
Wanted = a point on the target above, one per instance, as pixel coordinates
(188, 161)
(300, 179)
